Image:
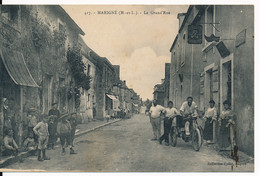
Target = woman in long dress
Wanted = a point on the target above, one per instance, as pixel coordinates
(210, 116)
(225, 120)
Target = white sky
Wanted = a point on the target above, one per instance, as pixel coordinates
(140, 44)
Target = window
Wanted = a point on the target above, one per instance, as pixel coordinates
(61, 27)
(10, 12)
(178, 60)
(93, 99)
(88, 71)
(88, 97)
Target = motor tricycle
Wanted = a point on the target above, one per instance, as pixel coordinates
(178, 131)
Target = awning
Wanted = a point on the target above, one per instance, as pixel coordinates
(116, 102)
(112, 97)
(17, 68)
(136, 105)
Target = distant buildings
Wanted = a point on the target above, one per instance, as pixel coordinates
(161, 91)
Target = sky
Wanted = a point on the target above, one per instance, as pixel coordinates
(139, 43)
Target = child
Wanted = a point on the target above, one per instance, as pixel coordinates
(107, 115)
(9, 146)
(73, 123)
(29, 143)
(170, 113)
(32, 122)
(52, 127)
(64, 131)
(41, 130)
(210, 116)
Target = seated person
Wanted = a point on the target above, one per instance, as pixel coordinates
(29, 143)
(9, 145)
(188, 109)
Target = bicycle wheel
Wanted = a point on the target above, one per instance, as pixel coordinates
(174, 137)
(196, 139)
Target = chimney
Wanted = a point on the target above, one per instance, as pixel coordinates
(181, 17)
(162, 80)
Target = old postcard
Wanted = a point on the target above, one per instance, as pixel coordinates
(127, 88)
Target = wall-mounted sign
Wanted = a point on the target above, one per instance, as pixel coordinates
(222, 49)
(241, 38)
(194, 34)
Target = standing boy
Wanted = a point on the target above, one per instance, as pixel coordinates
(64, 131)
(41, 130)
(170, 113)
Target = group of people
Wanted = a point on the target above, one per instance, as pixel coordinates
(173, 117)
(43, 133)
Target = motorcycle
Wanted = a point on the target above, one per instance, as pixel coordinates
(178, 131)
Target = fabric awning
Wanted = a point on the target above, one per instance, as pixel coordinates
(116, 102)
(112, 97)
(17, 68)
(136, 105)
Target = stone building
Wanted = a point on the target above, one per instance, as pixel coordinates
(105, 79)
(158, 93)
(212, 57)
(34, 69)
(88, 97)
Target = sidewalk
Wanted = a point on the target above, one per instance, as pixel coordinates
(81, 130)
(243, 158)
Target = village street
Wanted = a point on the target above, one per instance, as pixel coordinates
(126, 146)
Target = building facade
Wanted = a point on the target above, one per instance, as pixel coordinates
(34, 70)
(88, 97)
(218, 66)
(159, 94)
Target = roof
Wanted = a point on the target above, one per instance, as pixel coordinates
(159, 88)
(174, 42)
(186, 17)
(66, 16)
(16, 67)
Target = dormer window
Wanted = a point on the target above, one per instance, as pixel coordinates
(10, 12)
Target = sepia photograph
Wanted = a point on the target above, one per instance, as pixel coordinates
(127, 88)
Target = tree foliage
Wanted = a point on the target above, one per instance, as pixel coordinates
(78, 68)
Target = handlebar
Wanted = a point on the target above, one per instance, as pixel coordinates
(189, 117)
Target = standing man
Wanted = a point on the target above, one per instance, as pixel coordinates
(56, 114)
(188, 109)
(54, 111)
(155, 119)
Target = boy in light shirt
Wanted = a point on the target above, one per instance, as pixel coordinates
(170, 113)
(41, 130)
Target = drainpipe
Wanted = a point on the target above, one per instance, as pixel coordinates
(191, 74)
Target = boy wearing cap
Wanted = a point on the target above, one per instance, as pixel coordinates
(41, 130)
(64, 131)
